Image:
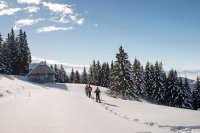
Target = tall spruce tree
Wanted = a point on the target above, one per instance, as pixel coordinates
(196, 95)
(63, 75)
(6, 56)
(1, 54)
(25, 55)
(84, 77)
(72, 76)
(138, 78)
(93, 73)
(123, 84)
(99, 74)
(77, 77)
(149, 80)
(187, 95)
(105, 71)
(158, 90)
(14, 53)
(56, 72)
(173, 91)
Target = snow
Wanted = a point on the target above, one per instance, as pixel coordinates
(27, 107)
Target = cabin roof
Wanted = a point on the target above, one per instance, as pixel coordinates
(42, 67)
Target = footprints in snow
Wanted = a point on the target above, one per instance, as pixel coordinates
(177, 129)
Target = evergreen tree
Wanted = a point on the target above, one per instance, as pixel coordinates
(6, 57)
(196, 95)
(24, 54)
(56, 73)
(149, 80)
(84, 78)
(51, 66)
(63, 75)
(14, 54)
(138, 78)
(187, 95)
(106, 73)
(111, 66)
(77, 77)
(99, 74)
(122, 84)
(2, 66)
(158, 94)
(93, 73)
(72, 77)
(67, 79)
(173, 92)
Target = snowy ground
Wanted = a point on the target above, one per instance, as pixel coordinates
(63, 108)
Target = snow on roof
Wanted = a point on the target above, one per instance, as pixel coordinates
(34, 65)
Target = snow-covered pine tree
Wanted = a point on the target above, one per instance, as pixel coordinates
(84, 77)
(196, 95)
(99, 74)
(111, 66)
(6, 57)
(24, 52)
(180, 97)
(14, 54)
(62, 74)
(56, 73)
(93, 73)
(187, 95)
(122, 82)
(149, 80)
(104, 74)
(77, 77)
(138, 78)
(72, 76)
(173, 91)
(158, 90)
(2, 66)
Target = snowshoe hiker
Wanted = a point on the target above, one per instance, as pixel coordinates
(97, 91)
(89, 90)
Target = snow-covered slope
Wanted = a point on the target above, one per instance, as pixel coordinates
(26, 107)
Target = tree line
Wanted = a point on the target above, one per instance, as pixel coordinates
(15, 54)
(134, 82)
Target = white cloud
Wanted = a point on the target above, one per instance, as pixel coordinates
(9, 11)
(65, 12)
(53, 28)
(3, 5)
(80, 21)
(24, 22)
(29, 1)
(58, 8)
(32, 9)
(62, 20)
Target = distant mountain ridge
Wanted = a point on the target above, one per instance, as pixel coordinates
(190, 74)
(67, 67)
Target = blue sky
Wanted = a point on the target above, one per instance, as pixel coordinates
(79, 31)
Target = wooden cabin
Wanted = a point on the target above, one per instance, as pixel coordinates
(42, 73)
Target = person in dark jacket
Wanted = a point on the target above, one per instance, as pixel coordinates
(98, 92)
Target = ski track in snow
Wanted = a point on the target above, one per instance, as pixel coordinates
(176, 129)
